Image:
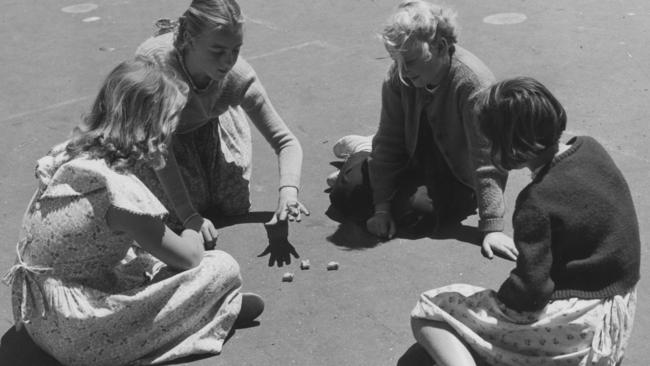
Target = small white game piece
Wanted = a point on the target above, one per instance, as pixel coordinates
(304, 264)
(287, 277)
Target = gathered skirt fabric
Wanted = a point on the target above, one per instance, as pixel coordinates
(566, 332)
(215, 162)
(171, 315)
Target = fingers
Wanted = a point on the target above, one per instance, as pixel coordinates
(265, 252)
(381, 228)
(304, 209)
(486, 250)
(210, 235)
(291, 211)
(293, 252)
(511, 253)
(392, 229)
(514, 251)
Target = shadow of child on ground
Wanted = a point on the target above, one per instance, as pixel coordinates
(416, 355)
(18, 349)
(353, 235)
(279, 249)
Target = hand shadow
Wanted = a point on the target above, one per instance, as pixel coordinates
(279, 249)
(18, 349)
(352, 234)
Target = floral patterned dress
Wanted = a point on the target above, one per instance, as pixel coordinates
(566, 332)
(88, 296)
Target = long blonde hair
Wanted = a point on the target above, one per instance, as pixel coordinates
(133, 116)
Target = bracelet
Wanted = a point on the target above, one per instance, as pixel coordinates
(289, 185)
(190, 217)
(384, 212)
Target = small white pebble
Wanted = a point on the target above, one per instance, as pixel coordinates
(304, 264)
(332, 266)
(287, 277)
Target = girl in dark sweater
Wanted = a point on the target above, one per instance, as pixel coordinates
(570, 299)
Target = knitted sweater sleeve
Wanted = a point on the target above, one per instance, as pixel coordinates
(261, 112)
(389, 153)
(529, 286)
(489, 182)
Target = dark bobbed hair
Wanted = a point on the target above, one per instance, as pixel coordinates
(133, 116)
(521, 119)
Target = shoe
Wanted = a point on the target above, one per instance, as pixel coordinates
(252, 306)
(351, 144)
(331, 179)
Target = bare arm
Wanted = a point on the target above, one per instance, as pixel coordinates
(179, 252)
(174, 187)
(286, 146)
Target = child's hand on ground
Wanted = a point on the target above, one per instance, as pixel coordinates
(289, 208)
(206, 228)
(500, 244)
(382, 225)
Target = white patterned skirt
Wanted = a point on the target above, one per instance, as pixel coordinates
(566, 332)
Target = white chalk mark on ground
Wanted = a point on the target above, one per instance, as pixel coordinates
(261, 22)
(90, 19)
(291, 48)
(505, 18)
(79, 8)
(108, 49)
(44, 109)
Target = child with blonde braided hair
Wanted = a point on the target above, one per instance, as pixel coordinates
(209, 165)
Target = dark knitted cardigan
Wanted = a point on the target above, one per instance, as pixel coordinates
(576, 230)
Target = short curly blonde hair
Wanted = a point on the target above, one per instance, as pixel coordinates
(418, 25)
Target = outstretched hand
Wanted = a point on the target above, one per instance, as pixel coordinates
(500, 244)
(289, 208)
(279, 248)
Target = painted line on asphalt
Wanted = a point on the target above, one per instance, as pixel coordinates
(79, 8)
(261, 22)
(45, 109)
(291, 48)
(75, 100)
(505, 18)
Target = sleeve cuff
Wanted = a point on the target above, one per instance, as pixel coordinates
(488, 225)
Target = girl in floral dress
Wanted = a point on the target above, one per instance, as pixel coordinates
(83, 292)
